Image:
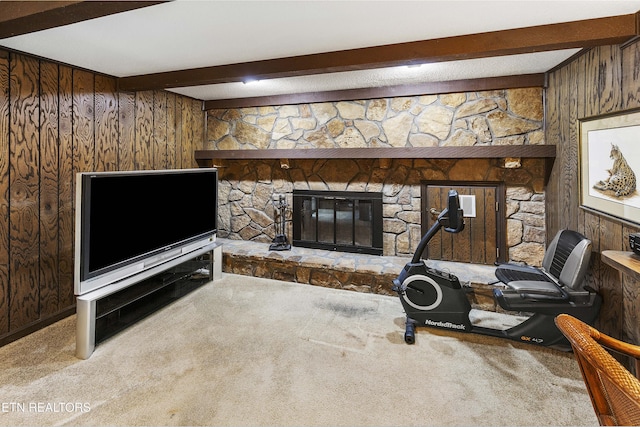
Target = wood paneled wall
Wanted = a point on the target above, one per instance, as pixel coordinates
(603, 80)
(56, 121)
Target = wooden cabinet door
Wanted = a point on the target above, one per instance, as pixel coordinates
(481, 241)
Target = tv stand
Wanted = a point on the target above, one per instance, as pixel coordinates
(106, 311)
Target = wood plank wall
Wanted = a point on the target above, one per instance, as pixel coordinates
(603, 80)
(56, 121)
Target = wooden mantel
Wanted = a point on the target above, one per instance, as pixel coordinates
(472, 152)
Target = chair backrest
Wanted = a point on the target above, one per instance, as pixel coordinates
(614, 391)
(567, 258)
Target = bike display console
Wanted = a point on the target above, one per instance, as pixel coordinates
(108, 310)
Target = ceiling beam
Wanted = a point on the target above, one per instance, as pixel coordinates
(567, 35)
(23, 17)
(431, 88)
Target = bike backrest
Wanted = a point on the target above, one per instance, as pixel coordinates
(567, 258)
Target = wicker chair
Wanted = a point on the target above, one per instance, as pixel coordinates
(614, 391)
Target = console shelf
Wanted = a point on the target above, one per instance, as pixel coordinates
(119, 300)
(120, 310)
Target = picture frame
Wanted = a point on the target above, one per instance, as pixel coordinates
(609, 153)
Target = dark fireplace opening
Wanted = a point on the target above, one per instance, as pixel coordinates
(343, 221)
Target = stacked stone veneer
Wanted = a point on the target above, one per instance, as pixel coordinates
(248, 188)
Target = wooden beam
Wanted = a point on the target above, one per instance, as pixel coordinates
(22, 17)
(430, 88)
(575, 34)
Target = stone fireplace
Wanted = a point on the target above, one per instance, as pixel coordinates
(248, 187)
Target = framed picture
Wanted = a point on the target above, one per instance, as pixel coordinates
(610, 164)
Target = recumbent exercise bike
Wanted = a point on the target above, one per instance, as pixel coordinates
(435, 298)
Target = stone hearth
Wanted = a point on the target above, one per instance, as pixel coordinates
(349, 271)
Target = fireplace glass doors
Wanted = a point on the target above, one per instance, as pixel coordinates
(343, 221)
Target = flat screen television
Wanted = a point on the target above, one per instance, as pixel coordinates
(127, 222)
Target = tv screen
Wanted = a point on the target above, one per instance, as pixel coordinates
(129, 221)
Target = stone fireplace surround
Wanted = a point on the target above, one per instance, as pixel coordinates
(249, 213)
(248, 187)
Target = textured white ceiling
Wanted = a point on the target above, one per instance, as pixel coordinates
(185, 34)
(434, 72)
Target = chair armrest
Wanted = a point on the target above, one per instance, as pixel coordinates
(615, 344)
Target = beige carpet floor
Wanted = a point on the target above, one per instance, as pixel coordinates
(243, 351)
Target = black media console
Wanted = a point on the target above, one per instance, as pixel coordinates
(107, 311)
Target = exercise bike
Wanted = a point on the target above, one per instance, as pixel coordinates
(435, 298)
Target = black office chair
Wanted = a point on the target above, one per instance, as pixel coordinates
(563, 270)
